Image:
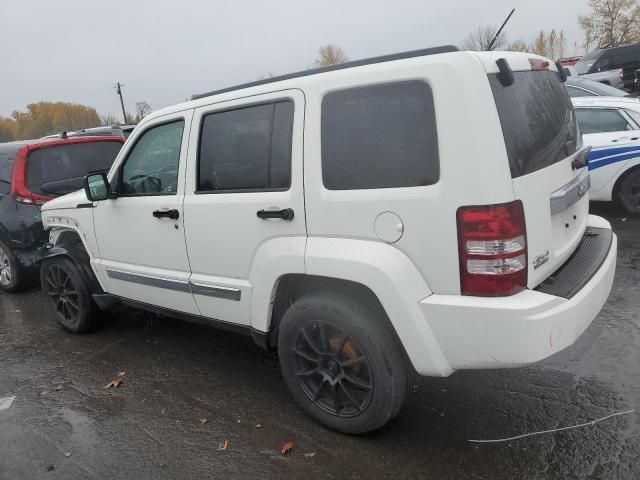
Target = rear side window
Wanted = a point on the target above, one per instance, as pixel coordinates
(381, 136)
(61, 169)
(538, 121)
(592, 120)
(246, 149)
(578, 92)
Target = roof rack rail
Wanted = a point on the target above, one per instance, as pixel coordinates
(341, 66)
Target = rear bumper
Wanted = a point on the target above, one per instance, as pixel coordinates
(475, 333)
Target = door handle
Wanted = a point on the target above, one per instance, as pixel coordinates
(286, 214)
(172, 214)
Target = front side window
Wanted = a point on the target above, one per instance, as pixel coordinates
(151, 167)
(593, 120)
(246, 149)
(381, 136)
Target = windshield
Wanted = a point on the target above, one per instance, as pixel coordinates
(61, 169)
(584, 64)
(537, 118)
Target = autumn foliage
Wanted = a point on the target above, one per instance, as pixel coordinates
(44, 118)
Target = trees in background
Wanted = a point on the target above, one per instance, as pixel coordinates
(7, 129)
(142, 110)
(330, 55)
(44, 118)
(480, 39)
(551, 44)
(610, 23)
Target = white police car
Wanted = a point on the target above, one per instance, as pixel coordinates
(611, 126)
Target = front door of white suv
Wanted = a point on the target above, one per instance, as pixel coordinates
(244, 206)
(140, 234)
(615, 140)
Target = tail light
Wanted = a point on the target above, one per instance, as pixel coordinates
(19, 189)
(492, 243)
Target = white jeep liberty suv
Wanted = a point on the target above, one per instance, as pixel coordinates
(416, 213)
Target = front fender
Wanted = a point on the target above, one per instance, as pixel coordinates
(79, 256)
(396, 282)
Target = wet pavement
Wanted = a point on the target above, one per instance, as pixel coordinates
(63, 424)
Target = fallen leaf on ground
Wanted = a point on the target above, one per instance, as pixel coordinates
(59, 387)
(204, 420)
(68, 454)
(286, 447)
(258, 426)
(115, 383)
(223, 446)
(310, 455)
(122, 374)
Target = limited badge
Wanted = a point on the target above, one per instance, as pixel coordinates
(541, 260)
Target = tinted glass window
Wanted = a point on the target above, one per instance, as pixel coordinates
(600, 120)
(61, 169)
(634, 115)
(246, 149)
(152, 165)
(578, 92)
(586, 62)
(538, 121)
(6, 167)
(381, 136)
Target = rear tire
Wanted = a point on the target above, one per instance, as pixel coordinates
(13, 276)
(68, 295)
(341, 363)
(629, 192)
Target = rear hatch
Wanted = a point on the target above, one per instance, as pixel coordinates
(53, 168)
(542, 141)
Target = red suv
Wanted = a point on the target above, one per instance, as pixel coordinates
(31, 173)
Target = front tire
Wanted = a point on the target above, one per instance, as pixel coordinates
(341, 363)
(68, 295)
(13, 276)
(629, 192)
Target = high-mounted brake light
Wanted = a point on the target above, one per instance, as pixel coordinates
(539, 64)
(492, 244)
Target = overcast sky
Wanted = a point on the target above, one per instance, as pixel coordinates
(165, 51)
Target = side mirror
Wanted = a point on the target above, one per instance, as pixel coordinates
(96, 186)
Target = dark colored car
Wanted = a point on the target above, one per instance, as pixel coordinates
(626, 57)
(33, 172)
(580, 87)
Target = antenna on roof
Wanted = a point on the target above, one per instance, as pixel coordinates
(490, 47)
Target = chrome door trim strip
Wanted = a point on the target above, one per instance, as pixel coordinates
(569, 194)
(216, 291)
(149, 280)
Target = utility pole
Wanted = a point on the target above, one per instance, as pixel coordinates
(119, 92)
(490, 47)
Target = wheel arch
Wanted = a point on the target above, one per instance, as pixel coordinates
(68, 243)
(376, 273)
(621, 176)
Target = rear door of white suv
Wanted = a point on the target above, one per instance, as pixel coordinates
(244, 205)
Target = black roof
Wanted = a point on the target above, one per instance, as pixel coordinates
(341, 66)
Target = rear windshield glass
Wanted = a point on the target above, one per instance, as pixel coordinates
(538, 121)
(60, 170)
(584, 64)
